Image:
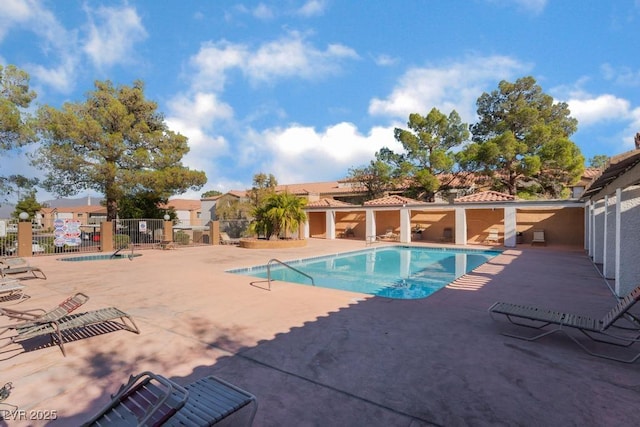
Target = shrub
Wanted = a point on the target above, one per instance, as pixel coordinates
(121, 241)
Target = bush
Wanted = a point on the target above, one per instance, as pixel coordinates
(181, 238)
(121, 241)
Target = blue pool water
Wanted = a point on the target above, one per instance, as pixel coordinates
(99, 257)
(402, 272)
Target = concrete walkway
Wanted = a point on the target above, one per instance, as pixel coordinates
(321, 357)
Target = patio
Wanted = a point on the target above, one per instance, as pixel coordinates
(316, 356)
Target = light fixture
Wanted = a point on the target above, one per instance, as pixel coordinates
(23, 216)
(167, 217)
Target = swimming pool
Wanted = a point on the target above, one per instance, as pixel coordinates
(401, 272)
(99, 257)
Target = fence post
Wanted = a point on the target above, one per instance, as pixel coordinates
(25, 237)
(106, 236)
(168, 230)
(214, 232)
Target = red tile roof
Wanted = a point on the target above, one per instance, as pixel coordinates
(485, 196)
(393, 200)
(183, 204)
(328, 203)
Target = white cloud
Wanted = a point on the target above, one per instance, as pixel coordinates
(621, 75)
(61, 77)
(450, 86)
(293, 57)
(590, 110)
(312, 8)
(302, 154)
(15, 12)
(112, 35)
(289, 56)
(55, 40)
(534, 6)
(263, 12)
(201, 109)
(385, 60)
(212, 62)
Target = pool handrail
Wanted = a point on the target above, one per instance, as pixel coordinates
(288, 266)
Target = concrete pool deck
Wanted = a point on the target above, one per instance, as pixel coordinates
(321, 357)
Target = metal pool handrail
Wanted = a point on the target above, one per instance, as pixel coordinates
(288, 266)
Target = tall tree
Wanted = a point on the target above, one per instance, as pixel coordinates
(210, 193)
(263, 186)
(144, 204)
(15, 129)
(28, 204)
(599, 161)
(376, 177)
(522, 136)
(115, 143)
(428, 145)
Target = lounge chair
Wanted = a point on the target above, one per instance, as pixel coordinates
(12, 290)
(595, 329)
(447, 235)
(226, 240)
(18, 265)
(55, 328)
(146, 400)
(149, 399)
(389, 235)
(212, 400)
(493, 236)
(538, 237)
(39, 315)
(165, 244)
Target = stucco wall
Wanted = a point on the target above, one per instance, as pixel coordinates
(317, 224)
(609, 255)
(564, 226)
(598, 230)
(351, 220)
(479, 221)
(629, 267)
(433, 223)
(387, 220)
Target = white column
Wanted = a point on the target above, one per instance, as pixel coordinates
(370, 225)
(592, 229)
(305, 229)
(609, 263)
(598, 230)
(461, 226)
(618, 232)
(331, 225)
(605, 231)
(628, 265)
(405, 225)
(587, 225)
(510, 226)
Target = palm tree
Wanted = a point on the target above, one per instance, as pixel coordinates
(280, 213)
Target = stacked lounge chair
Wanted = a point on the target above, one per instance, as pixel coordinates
(18, 265)
(152, 400)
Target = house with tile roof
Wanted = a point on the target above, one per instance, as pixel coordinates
(188, 211)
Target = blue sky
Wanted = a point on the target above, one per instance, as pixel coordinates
(306, 89)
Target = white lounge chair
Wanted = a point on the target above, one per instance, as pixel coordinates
(12, 290)
(538, 237)
(493, 236)
(226, 240)
(18, 265)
